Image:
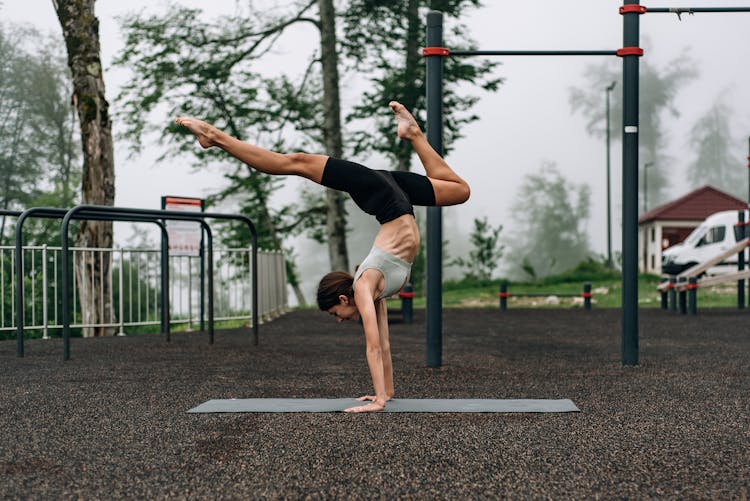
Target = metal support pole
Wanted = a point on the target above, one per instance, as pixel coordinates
(683, 295)
(165, 323)
(202, 284)
(210, 240)
(609, 89)
(692, 296)
(740, 235)
(434, 84)
(45, 334)
(407, 303)
(672, 294)
(586, 296)
(122, 299)
(503, 295)
(630, 65)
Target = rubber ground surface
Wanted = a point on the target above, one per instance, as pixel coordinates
(111, 423)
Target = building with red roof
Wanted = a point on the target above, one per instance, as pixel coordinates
(672, 222)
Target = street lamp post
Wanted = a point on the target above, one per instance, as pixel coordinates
(645, 209)
(645, 185)
(609, 89)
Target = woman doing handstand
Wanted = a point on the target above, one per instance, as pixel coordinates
(389, 196)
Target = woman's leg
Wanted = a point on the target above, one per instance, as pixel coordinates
(449, 188)
(269, 162)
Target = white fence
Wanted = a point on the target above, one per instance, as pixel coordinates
(135, 295)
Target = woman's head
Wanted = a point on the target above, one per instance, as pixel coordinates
(332, 286)
(336, 295)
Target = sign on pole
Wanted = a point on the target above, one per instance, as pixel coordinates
(184, 236)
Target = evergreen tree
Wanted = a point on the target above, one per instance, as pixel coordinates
(382, 40)
(551, 214)
(485, 252)
(658, 90)
(715, 163)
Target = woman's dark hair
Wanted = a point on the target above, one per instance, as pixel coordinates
(332, 286)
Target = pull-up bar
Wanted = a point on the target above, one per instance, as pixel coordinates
(465, 53)
(630, 53)
(434, 54)
(691, 10)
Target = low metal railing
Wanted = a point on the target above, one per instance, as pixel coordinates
(134, 297)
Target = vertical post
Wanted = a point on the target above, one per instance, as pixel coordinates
(19, 286)
(740, 235)
(672, 294)
(165, 323)
(630, 64)
(122, 288)
(683, 295)
(45, 332)
(407, 303)
(434, 84)
(586, 296)
(610, 88)
(503, 295)
(692, 296)
(202, 255)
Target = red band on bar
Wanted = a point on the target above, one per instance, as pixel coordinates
(503, 294)
(586, 294)
(691, 287)
(671, 285)
(406, 295)
(633, 7)
(630, 51)
(435, 51)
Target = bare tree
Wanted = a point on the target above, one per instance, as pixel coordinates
(80, 29)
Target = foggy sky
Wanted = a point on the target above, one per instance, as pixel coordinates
(528, 121)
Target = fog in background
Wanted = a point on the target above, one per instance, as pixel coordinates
(527, 122)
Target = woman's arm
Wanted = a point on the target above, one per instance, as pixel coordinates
(385, 346)
(363, 298)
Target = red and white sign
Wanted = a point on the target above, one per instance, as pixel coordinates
(184, 236)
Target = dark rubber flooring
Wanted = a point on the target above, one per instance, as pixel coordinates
(111, 423)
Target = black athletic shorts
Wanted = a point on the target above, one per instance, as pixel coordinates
(383, 194)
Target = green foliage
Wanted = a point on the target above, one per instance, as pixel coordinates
(186, 65)
(486, 250)
(715, 163)
(38, 147)
(551, 214)
(382, 39)
(658, 90)
(586, 271)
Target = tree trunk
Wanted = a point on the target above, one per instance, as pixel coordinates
(81, 31)
(336, 225)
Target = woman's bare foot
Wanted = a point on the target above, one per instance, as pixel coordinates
(205, 133)
(407, 126)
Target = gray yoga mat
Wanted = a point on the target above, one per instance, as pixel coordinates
(395, 405)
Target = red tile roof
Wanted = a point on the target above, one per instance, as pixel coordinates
(695, 206)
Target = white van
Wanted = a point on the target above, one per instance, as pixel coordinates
(714, 235)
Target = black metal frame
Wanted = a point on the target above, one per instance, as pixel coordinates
(630, 53)
(108, 213)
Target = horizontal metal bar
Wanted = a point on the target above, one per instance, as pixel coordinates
(543, 294)
(691, 10)
(533, 53)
